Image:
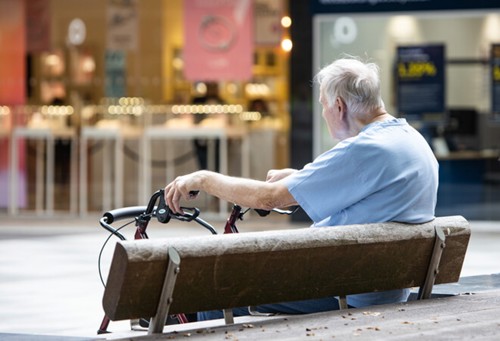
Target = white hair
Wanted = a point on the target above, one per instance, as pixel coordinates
(355, 82)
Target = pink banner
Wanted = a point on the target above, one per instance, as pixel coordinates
(12, 84)
(12, 52)
(218, 42)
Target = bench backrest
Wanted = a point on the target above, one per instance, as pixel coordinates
(225, 271)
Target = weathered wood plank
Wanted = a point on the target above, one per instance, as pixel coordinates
(273, 266)
(469, 317)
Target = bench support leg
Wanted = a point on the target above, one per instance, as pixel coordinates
(433, 269)
(343, 302)
(228, 316)
(158, 321)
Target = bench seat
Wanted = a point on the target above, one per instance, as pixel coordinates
(185, 275)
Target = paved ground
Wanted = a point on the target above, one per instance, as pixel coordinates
(49, 282)
(453, 318)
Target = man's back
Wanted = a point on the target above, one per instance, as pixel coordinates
(386, 173)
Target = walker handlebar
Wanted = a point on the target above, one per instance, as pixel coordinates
(123, 213)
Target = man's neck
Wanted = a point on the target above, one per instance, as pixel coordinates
(358, 125)
(380, 115)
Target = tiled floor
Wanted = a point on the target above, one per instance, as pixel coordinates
(49, 282)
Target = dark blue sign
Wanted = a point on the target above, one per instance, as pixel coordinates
(420, 74)
(495, 79)
(358, 6)
(115, 65)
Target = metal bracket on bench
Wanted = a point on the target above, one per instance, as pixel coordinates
(433, 269)
(158, 321)
(343, 302)
(228, 316)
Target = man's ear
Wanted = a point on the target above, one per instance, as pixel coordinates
(340, 106)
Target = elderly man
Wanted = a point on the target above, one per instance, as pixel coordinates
(381, 170)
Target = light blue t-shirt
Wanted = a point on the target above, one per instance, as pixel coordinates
(387, 172)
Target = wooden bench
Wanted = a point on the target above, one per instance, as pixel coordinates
(154, 278)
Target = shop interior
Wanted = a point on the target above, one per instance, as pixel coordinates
(105, 126)
(107, 120)
(465, 136)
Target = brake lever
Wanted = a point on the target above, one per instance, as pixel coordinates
(193, 194)
(287, 212)
(186, 216)
(163, 211)
(264, 213)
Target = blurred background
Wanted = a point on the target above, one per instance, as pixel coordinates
(103, 102)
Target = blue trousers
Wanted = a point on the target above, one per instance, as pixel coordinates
(288, 308)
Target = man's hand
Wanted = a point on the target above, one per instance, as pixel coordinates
(274, 175)
(183, 187)
(241, 191)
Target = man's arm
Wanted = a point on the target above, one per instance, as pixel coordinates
(244, 192)
(274, 175)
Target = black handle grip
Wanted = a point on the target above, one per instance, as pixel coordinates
(262, 213)
(123, 213)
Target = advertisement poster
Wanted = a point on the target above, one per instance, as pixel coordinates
(37, 25)
(123, 25)
(115, 74)
(218, 40)
(420, 74)
(268, 29)
(358, 6)
(495, 79)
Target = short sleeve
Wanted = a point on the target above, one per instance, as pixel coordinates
(330, 183)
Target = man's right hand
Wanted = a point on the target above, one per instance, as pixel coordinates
(274, 175)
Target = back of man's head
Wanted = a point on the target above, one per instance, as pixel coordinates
(355, 82)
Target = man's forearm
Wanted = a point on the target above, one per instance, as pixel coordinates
(246, 192)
